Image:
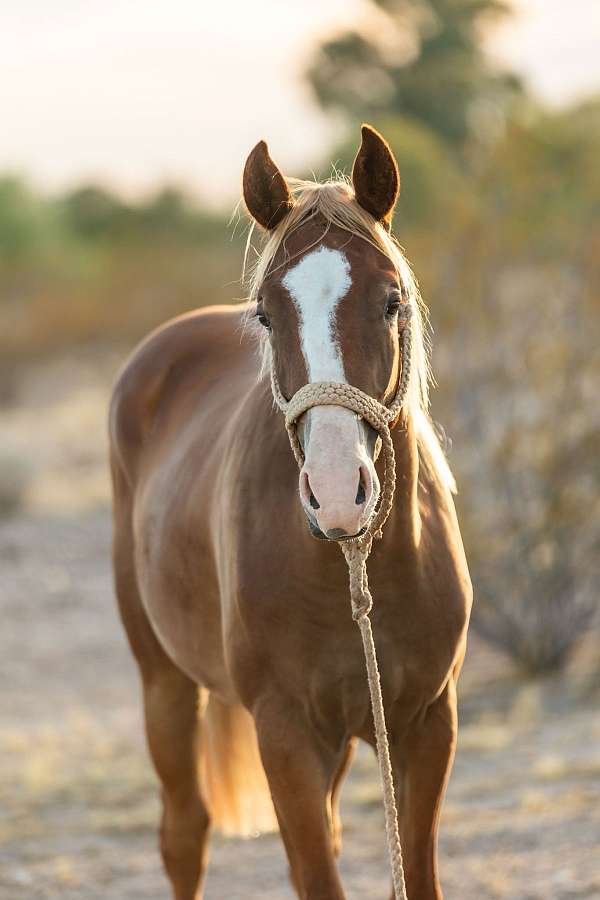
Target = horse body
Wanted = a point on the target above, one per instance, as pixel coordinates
(225, 595)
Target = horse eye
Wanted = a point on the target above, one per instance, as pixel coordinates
(393, 305)
(262, 318)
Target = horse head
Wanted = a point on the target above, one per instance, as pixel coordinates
(328, 302)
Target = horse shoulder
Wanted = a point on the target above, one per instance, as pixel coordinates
(443, 565)
(186, 348)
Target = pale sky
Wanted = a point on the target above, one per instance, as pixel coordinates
(138, 92)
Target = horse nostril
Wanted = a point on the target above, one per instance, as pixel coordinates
(311, 497)
(360, 494)
(306, 491)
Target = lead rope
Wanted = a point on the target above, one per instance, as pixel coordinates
(356, 551)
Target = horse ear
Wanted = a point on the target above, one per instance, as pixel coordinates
(375, 176)
(266, 193)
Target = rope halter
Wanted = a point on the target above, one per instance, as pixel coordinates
(356, 550)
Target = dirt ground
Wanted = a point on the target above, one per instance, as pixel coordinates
(78, 799)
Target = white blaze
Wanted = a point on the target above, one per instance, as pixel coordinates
(335, 457)
(316, 285)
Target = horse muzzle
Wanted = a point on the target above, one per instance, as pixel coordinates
(338, 484)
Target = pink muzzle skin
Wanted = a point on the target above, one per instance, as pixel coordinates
(339, 487)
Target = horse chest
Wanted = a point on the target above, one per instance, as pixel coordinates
(333, 686)
(337, 699)
(337, 696)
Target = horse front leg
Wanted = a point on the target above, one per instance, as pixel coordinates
(422, 762)
(301, 770)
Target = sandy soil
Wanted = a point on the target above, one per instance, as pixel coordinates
(78, 799)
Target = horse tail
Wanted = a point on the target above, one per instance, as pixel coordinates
(234, 783)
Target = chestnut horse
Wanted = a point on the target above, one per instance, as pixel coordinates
(252, 668)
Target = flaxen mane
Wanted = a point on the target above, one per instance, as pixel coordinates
(334, 202)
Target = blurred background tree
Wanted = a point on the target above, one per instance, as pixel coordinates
(423, 60)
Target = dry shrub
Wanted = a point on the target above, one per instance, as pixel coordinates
(538, 617)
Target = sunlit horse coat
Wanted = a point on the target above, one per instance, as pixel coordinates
(238, 617)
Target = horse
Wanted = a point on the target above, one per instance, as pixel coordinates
(230, 584)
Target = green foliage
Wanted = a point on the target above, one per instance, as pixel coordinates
(27, 225)
(92, 212)
(542, 183)
(89, 265)
(423, 61)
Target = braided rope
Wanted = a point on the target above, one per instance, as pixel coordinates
(356, 551)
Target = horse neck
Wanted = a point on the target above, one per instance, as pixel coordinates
(404, 523)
